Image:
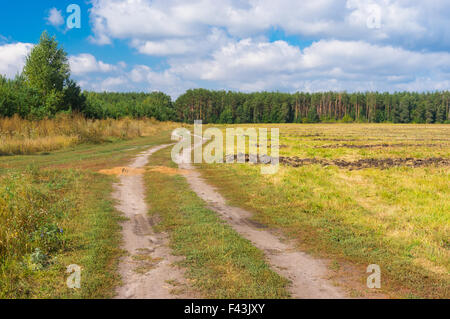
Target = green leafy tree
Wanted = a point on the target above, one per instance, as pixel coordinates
(419, 114)
(404, 110)
(47, 67)
(430, 113)
(73, 99)
(440, 114)
(47, 71)
(227, 116)
(313, 117)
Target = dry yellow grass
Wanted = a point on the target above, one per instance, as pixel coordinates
(394, 216)
(19, 136)
(33, 145)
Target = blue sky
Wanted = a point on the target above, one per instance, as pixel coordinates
(143, 45)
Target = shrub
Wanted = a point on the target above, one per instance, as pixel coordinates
(347, 119)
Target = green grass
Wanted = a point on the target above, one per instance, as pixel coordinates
(398, 217)
(41, 194)
(37, 206)
(219, 263)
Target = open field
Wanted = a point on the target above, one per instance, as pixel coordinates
(352, 194)
(395, 214)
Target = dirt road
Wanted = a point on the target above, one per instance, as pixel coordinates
(308, 274)
(147, 270)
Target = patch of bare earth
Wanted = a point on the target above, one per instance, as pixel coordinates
(381, 163)
(381, 145)
(148, 269)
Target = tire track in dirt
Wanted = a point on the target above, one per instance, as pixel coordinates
(308, 275)
(147, 270)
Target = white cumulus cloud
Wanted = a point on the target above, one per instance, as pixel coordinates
(87, 63)
(356, 44)
(12, 58)
(336, 64)
(55, 17)
(407, 23)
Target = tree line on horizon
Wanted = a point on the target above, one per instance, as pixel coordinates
(45, 89)
(228, 107)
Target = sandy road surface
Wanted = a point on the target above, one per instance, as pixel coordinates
(147, 270)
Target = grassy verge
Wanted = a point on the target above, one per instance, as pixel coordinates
(50, 220)
(55, 211)
(220, 263)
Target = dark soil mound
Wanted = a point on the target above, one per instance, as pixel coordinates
(382, 163)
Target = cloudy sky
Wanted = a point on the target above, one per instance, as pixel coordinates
(285, 45)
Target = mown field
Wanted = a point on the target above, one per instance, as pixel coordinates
(358, 194)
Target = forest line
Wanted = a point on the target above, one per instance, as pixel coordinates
(276, 107)
(45, 88)
(226, 107)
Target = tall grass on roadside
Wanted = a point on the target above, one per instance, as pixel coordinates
(26, 206)
(32, 211)
(20, 136)
(50, 219)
